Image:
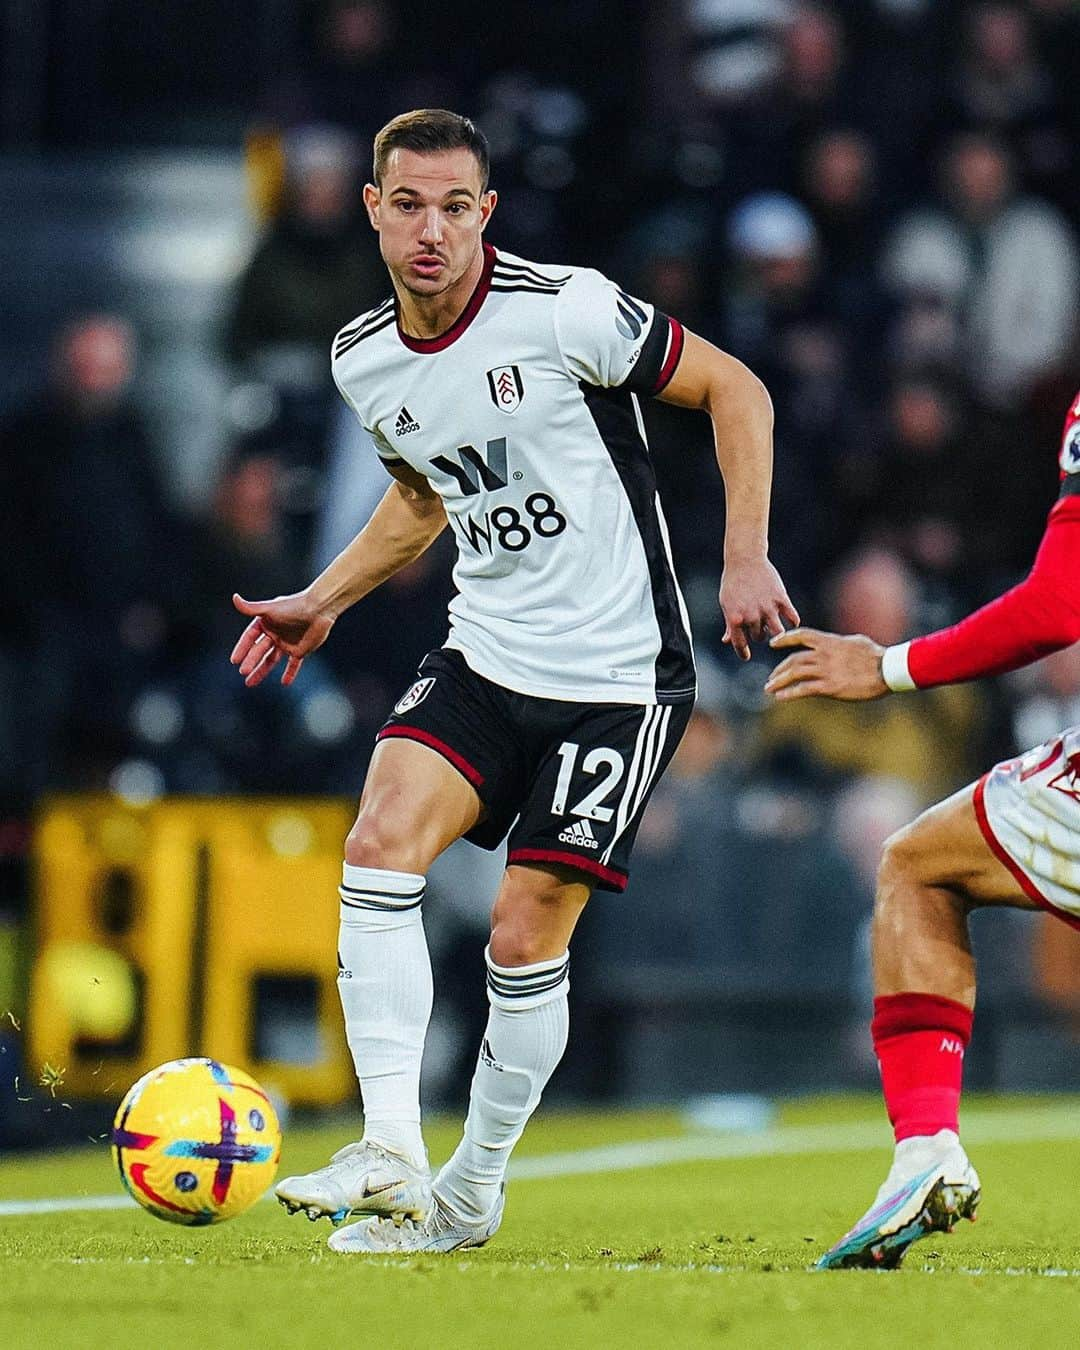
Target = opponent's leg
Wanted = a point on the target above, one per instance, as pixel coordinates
(933, 873)
(413, 806)
(527, 962)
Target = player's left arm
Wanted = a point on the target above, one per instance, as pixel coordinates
(752, 595)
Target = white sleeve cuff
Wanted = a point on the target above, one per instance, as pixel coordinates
(894, 668)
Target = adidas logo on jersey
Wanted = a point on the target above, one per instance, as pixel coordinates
(579, 833)
(405, 423)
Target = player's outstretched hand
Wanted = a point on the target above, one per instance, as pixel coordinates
(827, 664)
(755, 604)
(288, 627)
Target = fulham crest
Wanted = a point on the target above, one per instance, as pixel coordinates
(416, 694)
(507, 391)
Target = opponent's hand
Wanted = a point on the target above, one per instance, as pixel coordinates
(828, 664)
(755, 604)
(288, 627)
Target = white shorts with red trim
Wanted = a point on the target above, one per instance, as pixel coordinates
(1029, 812)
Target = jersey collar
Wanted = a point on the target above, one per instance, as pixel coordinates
(472, 308)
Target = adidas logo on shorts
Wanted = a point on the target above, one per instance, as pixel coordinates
(579, 833)
(405, 423)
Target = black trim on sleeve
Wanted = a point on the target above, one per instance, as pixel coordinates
(644, 378)
(646, 371)
(1070, 485)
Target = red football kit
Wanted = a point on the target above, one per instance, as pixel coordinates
(920, 1038)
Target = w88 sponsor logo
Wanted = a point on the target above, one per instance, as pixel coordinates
(505, 527)
(502, 527)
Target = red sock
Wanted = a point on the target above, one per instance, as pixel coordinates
(920, 1040)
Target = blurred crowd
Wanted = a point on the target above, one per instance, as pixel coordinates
(874, 203)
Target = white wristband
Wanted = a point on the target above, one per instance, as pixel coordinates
(894, 668)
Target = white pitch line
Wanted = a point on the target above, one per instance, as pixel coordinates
(997, 1127)
(1023, 1126)
(64, 1204)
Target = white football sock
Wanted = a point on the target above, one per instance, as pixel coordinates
(920, 1151)
(525, 1039)
(384, 980)
(917, 1154)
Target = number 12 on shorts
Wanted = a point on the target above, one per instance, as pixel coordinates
(601, 760)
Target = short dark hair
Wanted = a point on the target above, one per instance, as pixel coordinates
(426, 130)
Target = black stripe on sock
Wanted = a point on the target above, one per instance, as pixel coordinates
(382, 895)
(502, 973)
(529, 992)
(378, 904)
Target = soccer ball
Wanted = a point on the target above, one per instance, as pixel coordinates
(196, 1141)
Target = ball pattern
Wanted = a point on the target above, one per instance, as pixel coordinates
(196, 1141)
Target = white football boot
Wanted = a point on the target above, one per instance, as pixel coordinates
(930, 1186)
(363, 1178)
(440, 1231)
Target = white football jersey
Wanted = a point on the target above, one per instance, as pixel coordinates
(524, 418)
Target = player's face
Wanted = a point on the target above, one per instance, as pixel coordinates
(430, 213)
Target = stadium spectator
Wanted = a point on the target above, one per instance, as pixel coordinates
(912, 491)
(94, 588)
(316, 264)
(840, 185)
(1001, 266)
(781, 317)
(354, 59)
(928, 746)
(810, 90)
(1002, 85)
(242, 543)
(282, 739)
(1048, 698)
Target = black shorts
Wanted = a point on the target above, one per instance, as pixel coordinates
(568, 781)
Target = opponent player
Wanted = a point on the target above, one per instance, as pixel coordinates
(1012, 838)
(501, 396)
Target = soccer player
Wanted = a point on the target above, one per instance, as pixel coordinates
(501, 396)
(1012, 838)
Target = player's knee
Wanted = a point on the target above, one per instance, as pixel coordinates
(375, 842)
(514, 943)
(900, 858)
(530, 922)
(913, 881)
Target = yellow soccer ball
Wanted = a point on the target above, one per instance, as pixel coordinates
(196, 1141)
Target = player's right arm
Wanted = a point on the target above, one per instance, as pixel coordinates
(407, 521)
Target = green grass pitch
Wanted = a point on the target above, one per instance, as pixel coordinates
(705, 1251)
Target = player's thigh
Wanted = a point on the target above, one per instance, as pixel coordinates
(413, 806)
(536, 912)
(945, 849)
